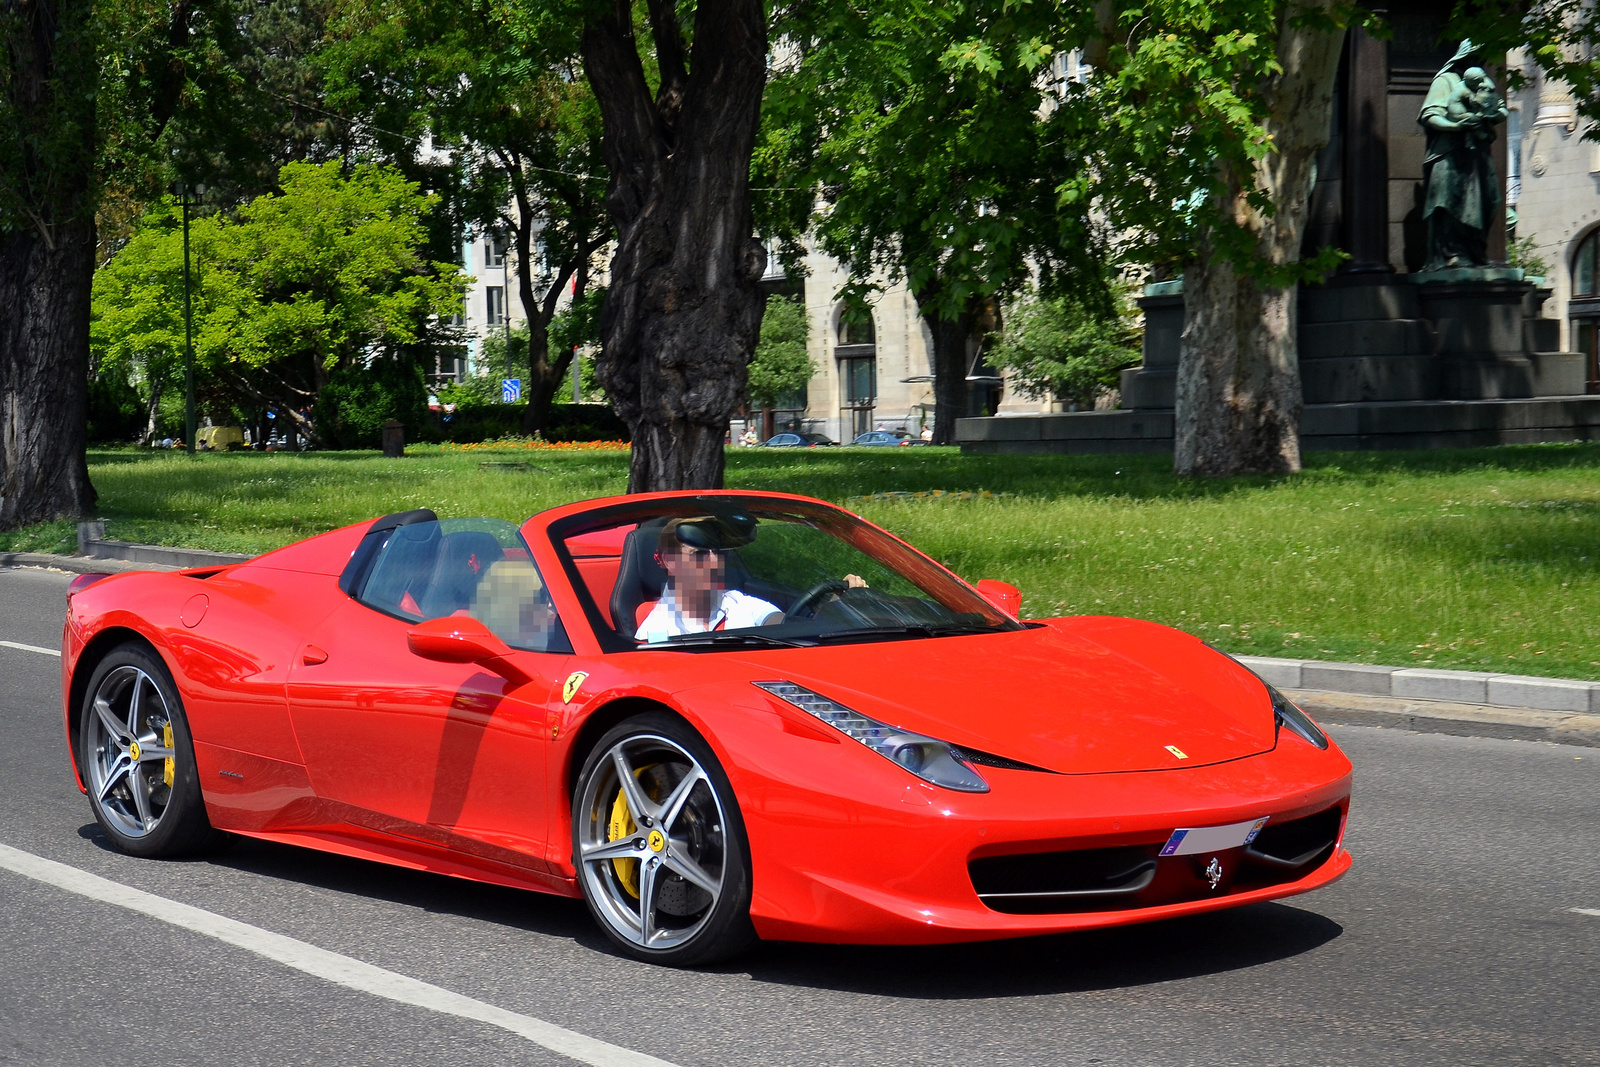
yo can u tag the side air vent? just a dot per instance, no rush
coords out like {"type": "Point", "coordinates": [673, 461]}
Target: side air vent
{"type": "Point", "coordinates": [1297, 843]}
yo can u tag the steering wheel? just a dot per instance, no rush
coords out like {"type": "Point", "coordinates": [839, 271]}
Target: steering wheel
{"type": "Point", "coordinates": [812, 598]}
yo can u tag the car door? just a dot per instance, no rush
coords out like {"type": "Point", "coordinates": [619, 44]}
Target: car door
{"type": "Point", "coordinates": [450, 754]}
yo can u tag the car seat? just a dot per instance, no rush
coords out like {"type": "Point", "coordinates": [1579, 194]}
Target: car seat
{"type": "Point", "coordinates": [463, 559]}
{"type": "Point", "coordinates": [640, 577]}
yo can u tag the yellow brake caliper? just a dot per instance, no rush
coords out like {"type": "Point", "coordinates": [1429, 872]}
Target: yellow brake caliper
{"type": "Point", "coordinates": [620, 826]}
{"type": "Point", "coordinates": [169, 764]}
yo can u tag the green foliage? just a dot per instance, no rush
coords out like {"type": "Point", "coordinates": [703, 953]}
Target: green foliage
{"type": "Point", "coordinates": [1524, 253]}
{"type": "Point", "coordinates": [325, 276]}
{"type": "Point", "coordinates": [938, 137]}
{"type": "Point", "coordinates": [1187, 135]}
{"type": "Point", "coordinates": [781, 364]}
{"type": "Point", "coordinates": [1058, 348]}
{"type": "Point", "coordinates": [115, 411]}
{"type": "Point", "coordinates": [352, 408]}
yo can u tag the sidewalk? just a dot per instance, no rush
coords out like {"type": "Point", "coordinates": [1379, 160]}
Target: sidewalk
{"type": "Point", "coordinates": [1465, 703]}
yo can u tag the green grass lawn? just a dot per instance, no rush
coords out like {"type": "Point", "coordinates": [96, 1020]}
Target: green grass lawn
{"type": "Point", "coordinates": [1485, 558]}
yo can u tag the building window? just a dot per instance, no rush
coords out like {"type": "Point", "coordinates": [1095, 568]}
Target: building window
{"type": "Point", "coordinates": [494, 249]}
{"type": "Point", "coordinates": [1583, 309]}
{"type": "Point", "coordinates": [857, 353]}
{"type": "Point", "coordinates": [495, 308]}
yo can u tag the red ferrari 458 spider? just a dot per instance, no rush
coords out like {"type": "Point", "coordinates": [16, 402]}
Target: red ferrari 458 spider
{"type": "Point", "coordinates": [713, 716]}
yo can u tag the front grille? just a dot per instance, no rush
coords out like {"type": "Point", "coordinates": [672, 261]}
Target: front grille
{"type": "Point", "coordinates": [1043, 882]}
{"type": "Point", "coordinates": [1135, 876]}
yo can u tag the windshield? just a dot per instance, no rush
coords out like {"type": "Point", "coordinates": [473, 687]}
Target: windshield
{"type": "Point", "coordinates": [729, 572]}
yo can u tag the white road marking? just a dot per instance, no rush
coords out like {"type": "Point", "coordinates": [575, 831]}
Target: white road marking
{"type": "Point", "coordinates": [331, 966]}
{"type": "Point", "coordinates": [1586, 911]}
{"type": "Point", "coordinates": [19, 646]}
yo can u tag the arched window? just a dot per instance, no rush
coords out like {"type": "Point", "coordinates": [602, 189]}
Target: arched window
{"type": "Point", "coordinates": [857, 355]}
{"type": "Point", "coordinates": [1583, 308]}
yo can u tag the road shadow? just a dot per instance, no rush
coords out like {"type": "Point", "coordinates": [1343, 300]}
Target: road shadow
{"type": "Point", "coordinates": [537, 913]}
{"type": "Point", "coordinates": [1090, 960]}
{"type": "Point", "coordinates": [1115, 958]}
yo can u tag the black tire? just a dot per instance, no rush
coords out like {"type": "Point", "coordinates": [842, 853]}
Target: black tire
{"type": "Point", "coordinates": [693, 922]}
{"type": "Point", "coordinates": [127, 772]}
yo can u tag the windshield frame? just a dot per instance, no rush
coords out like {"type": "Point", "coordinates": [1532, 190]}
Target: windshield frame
{"type": "Point", "coordinates": [914, 565]}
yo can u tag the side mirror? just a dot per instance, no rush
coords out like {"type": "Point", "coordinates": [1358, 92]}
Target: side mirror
{"type": "Point", "coordinates": [455, 639]}
{"type": "Point", "coordinates": [1008, 598]}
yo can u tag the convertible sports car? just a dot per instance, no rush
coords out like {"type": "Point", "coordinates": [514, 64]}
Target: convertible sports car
{"type": "Point", "coordinates": [713, 716]}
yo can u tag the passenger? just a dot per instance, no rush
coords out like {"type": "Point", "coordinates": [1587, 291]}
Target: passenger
{"type": "Point", "coordinates": [696, 598]}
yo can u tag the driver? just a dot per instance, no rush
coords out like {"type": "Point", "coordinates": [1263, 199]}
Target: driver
{"type": "Point", "coordinates": [696, 598]}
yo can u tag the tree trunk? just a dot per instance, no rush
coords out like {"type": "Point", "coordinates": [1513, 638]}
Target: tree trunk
{"type": "Point", "coordinates": [44, 375]}
{"type": "Point", "coordinates": [1238, 390]}
{"type": "Point", "coordinates": [683, 311]}
{"type": "Point", "coordinates": [47, 251]}
{"type": "Point", "coordinates": [951, 338]}
{"type": "Point", "coordinates": [152, 412]}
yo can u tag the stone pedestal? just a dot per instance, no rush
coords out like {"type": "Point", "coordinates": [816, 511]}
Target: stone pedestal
{"type": "Point", "coordinates": [1153, 384]}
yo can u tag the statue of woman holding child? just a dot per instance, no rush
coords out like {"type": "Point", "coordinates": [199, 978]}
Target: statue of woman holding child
{"type": "Point", "coordinates": [1463, 198]}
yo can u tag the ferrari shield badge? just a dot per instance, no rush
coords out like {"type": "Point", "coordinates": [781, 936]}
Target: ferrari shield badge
{"type": "Point", "coordinates": [573, 684]}
{"type": "Point", "coordinates": [1178, 752]}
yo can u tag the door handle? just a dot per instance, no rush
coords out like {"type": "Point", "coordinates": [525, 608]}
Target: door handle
{"type": "Point", "coordinates": [312, 655]}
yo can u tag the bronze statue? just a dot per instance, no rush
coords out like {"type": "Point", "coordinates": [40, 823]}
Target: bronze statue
{"type": "Point", "coordinates": [1463, 190]}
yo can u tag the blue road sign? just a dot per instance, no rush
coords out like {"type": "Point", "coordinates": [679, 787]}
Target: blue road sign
{"type": "Point", "coordinates": [510, 390]}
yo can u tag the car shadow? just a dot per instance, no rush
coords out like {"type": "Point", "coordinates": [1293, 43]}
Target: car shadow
{"type": "Point", "coordinates": [1113, 958]}
{"type": "Point", "coordinates": [1086, 961]}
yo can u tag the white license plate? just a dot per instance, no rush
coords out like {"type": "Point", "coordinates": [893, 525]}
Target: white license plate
{"type": "Point", "coordinates": [1212, 838]}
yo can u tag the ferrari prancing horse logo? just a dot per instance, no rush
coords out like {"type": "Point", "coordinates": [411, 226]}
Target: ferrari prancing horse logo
{"type": "Point", "coordinates": [656, 840]}
{"type": "Point", "coordinates": [1214, 872]}
{"type": "Point", "coordinates": [1176, 751]}
{"type": "Point", "coordinates": [573, 684]}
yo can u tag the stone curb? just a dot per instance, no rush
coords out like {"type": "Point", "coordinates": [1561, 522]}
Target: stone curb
{"type": "Point", "coordinates": [1447, 717]}
{"type": "Point", "coordinates": [1569, 695]}
{"type": "Point", "coordinates": [76, 564]}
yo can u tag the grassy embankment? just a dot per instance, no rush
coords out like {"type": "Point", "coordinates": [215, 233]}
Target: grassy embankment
{"type": "Point", "coordinates": [1484, 559]}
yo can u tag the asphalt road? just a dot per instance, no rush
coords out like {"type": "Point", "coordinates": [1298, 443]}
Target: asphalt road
{"type": "Point", "coordinates": [1453, 941]}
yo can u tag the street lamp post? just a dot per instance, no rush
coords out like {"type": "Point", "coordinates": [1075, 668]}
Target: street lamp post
{"type": "Point", "coordinates": [188, 322]}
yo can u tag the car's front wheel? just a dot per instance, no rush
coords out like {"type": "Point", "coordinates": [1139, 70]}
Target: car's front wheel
{"type": "Point", "coordinates": [137, 758]}
{"type": "Point", "coordinates": [660, 846]}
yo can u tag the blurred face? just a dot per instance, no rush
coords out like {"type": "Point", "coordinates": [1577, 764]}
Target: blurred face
{"type": "Point", "coordinates": [698, 576]}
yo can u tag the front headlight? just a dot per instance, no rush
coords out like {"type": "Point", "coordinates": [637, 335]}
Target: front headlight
{"type": "Point", "coordinates": [927, 758]}
{"type": "Point", "coordinates": [1290, 715]}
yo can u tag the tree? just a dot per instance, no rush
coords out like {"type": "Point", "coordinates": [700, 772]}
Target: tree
{"type": "Point", "coordinates": [684, 306]}
{"type": "Point", "coordinates": [88, 88]}
{"type": "Point", "coordinates": [939, 135]}
{"type": "Point", "coordinates": [302, 288]}
{"type": "Point", "coordinates": [1222, 107]}
{"type": "Point", "coordinates": [498, 86]}
{"type": "Point", "coordinates": [1057, 348]}
{"type": "Point", "coordinates": [48, 76]}
{"type": "Point", "coordinates": [782, 364]}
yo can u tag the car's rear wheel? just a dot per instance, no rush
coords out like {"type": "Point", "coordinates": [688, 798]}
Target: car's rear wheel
{"type": "Point", "coordinates": [137, 758]}
{"type": "Point", "coordinates": [660, 846]}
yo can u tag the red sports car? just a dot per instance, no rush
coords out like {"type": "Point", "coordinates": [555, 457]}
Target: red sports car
{"type": "Point", "coordinates": [714, 716]}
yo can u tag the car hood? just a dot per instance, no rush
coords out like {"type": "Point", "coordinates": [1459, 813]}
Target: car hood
{"type": "Point", "coordinates": [1077, 696]}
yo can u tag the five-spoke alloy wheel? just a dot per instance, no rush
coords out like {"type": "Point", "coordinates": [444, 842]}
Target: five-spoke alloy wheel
{"type": "Point", "coordinates": [660, 846]}
{"type": "Point", "coordinates": [137, 760]}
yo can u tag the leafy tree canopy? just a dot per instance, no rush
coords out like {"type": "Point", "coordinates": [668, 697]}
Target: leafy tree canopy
{"type": "Point", "coordinates": [1058, 348]}
{"type": "Point", "coordinates": [782, 365]}
{"type": "Point", "coordinates": [322, 276]}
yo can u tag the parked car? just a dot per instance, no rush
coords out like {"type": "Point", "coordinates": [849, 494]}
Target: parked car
{"type": "Point", "coordinates": [798, 440]}
{"type": "Point", "coordinates": [887, 439]}
{"type": "Point", "coordinates": [859, 747]}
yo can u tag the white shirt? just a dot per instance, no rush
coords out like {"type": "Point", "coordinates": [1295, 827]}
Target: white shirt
{"type": "Point", "coordinates": [734, 611]}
